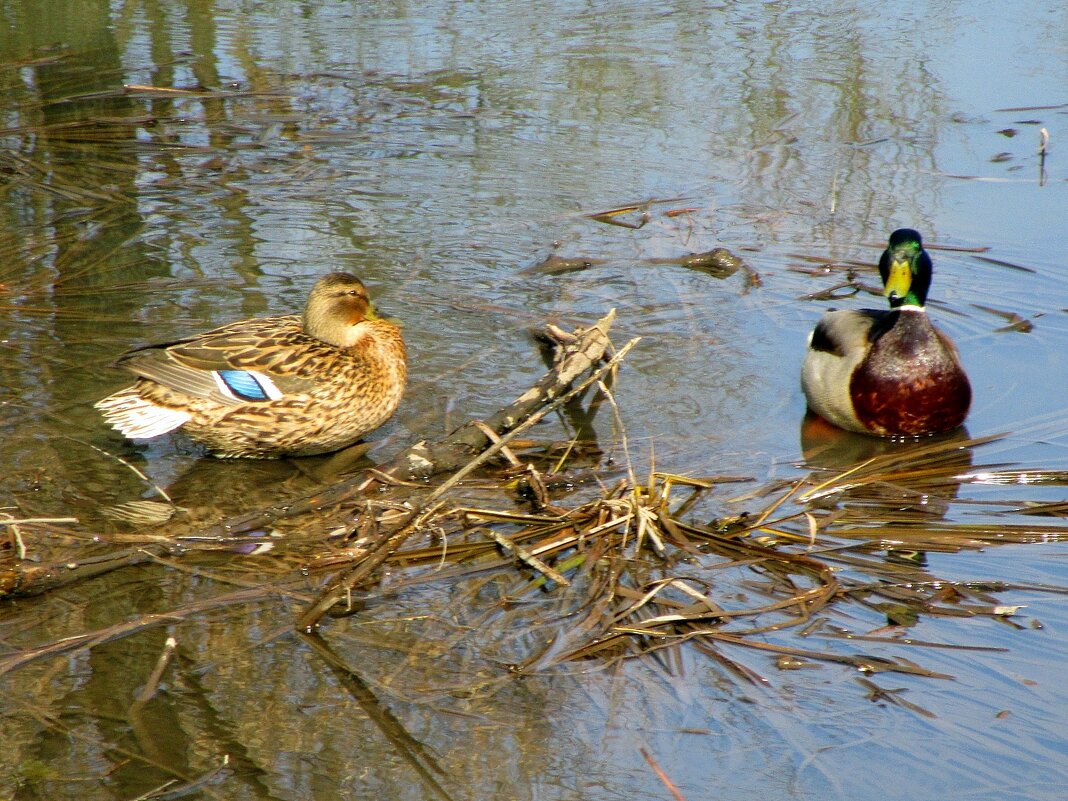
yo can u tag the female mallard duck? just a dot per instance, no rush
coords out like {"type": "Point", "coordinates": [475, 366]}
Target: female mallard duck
{"type": "Point", "coordinates": [290, 385]}
{"type": "Point", "coordinates": [890, 373]}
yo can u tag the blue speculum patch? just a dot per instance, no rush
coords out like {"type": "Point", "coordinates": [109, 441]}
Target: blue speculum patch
{"type": "Point", "coordinates": [244, 385]}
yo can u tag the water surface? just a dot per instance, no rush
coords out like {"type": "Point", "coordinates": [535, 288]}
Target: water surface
{"type": "Point", "coordinates": [441, 152]}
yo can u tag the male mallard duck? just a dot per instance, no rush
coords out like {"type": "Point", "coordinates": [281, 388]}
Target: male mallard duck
{"type": "Point", "coordinates": [273, 386]}
{"type": "Point", "coordinates": [890, 373]}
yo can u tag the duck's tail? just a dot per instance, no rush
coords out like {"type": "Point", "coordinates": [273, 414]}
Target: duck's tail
{"type": "Point", "coordinates": [136, 418]}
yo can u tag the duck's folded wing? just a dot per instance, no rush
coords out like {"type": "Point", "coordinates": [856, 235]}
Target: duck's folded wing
{"type": "Point", "coordinates": [231, 365]}
{"type": "Point", "coordinates": [847, 332]}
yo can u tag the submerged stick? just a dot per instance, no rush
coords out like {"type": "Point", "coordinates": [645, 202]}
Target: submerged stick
{"type": "Point", "coordinates": [377, 553]}
{"type": "Point", "coordinates": [660, 774]}
{"type": "Point", "coordinates": [414, 752]}
{"type": "Point", "coordinates": [22, 580]}
{"type": "Point", "coordinates": [91, 639]}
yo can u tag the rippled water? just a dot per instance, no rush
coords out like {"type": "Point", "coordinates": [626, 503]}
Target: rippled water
{"type": "Point", "coordinates": [442, 152]}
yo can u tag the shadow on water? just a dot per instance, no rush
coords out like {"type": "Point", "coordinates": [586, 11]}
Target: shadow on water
{"type": "Point", "coordinates": [719, 175]}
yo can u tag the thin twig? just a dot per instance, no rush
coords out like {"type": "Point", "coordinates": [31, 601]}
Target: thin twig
{"type": "Point", "coordinates": [670, 785]}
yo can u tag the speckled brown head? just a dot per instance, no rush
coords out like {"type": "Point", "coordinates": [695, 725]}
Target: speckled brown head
{"type": "Point", "coordinates": [337, 308]}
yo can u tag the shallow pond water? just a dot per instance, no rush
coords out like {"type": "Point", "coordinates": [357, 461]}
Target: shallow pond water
{"type": "Point", "coordinates": [443, 153]}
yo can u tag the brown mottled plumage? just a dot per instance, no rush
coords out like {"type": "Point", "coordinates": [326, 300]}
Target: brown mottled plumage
{"type": "Point", "coordinates": [290, 385]}
{"type": "Point", "coordinates": [890, 373]}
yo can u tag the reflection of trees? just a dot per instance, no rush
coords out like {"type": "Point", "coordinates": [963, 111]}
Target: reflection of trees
{"type": "Point", "coordinates": [90, 217]}
{"type": "Point", "coordinates": [69, 219]}
{"type": "Point", "coordinates": [68, 211]}
{"type": "Point", "coordinates": [815, 107]}
{"type": "Point", "coordinates": [834, 120]}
